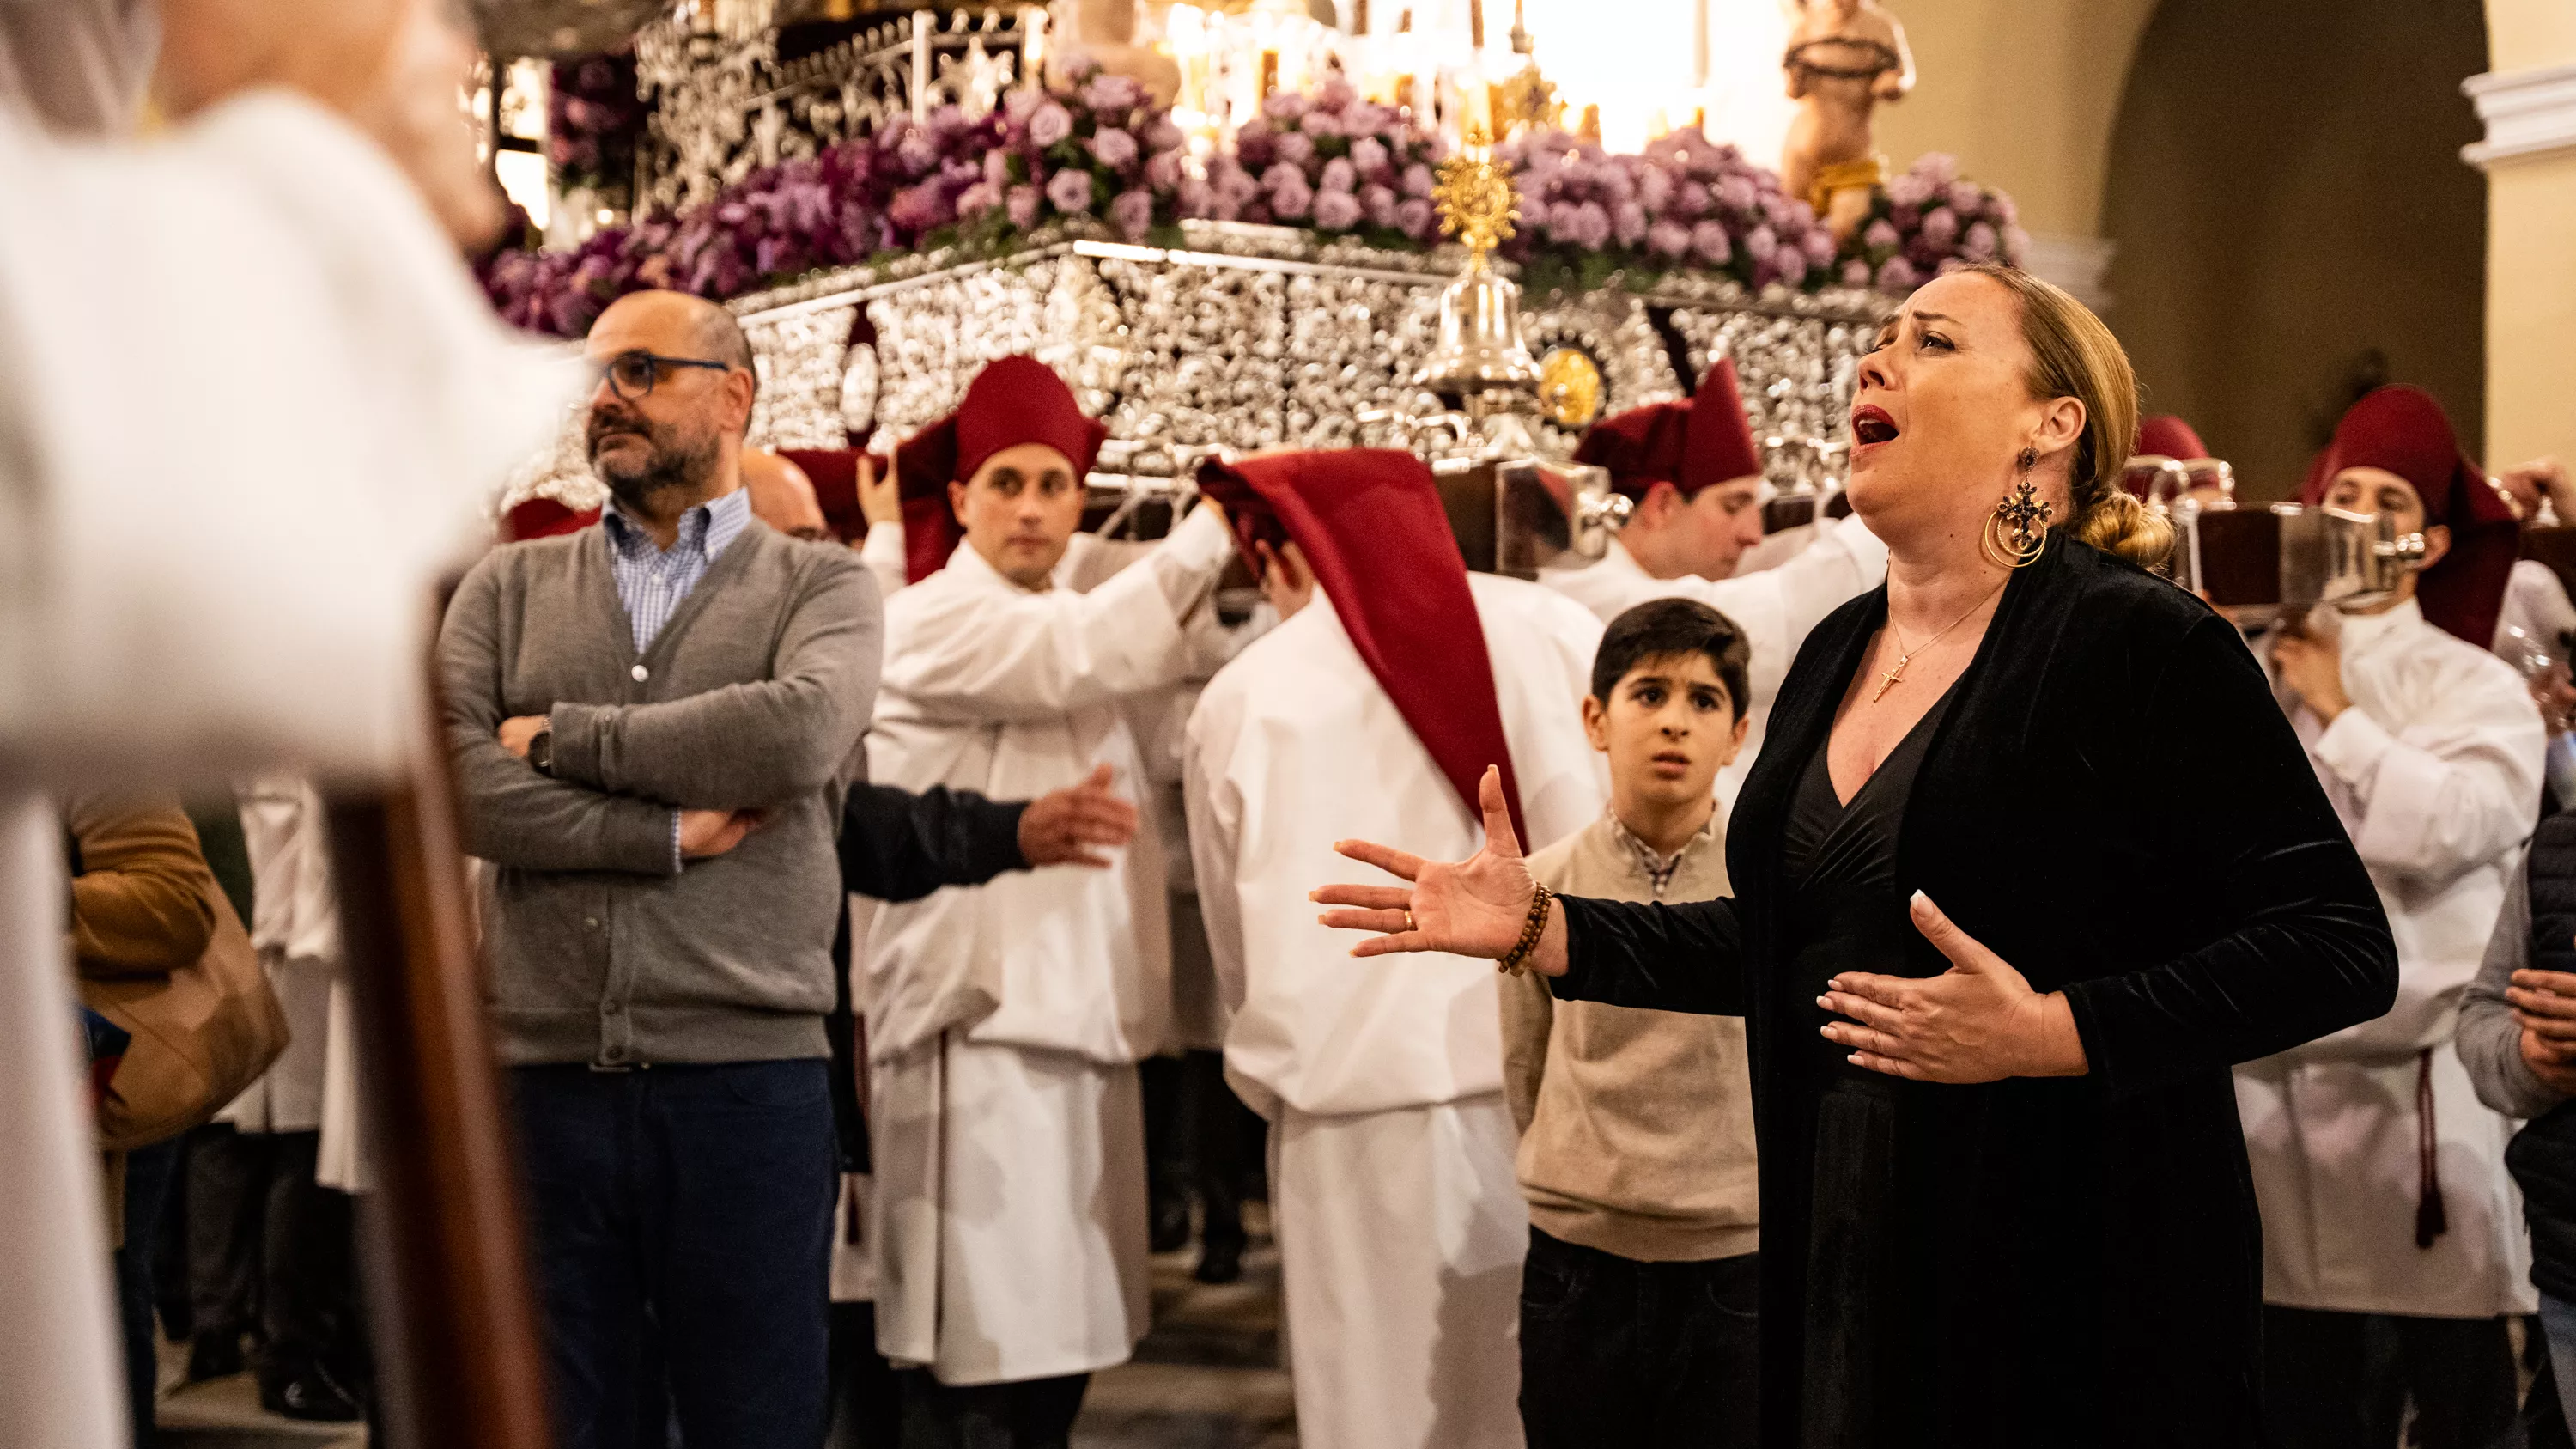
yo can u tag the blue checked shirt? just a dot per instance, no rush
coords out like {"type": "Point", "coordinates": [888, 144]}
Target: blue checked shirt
{"type": "Point", "coordinates": [652, 582]}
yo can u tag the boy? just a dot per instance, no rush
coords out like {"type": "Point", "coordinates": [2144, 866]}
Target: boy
{"type": "Point", "coordinates": [1636, 1152]}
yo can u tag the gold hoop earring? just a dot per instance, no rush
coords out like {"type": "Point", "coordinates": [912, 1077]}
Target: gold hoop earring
{"type": "Point", "coordinates": [2017, 531]}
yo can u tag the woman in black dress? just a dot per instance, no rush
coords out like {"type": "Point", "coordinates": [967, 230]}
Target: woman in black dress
{"type": "Point", "coordinates": [2004, 1194]}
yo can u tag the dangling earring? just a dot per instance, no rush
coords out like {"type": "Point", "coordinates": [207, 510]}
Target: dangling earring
{"type": "Point", "coordinates": [2017, 530]}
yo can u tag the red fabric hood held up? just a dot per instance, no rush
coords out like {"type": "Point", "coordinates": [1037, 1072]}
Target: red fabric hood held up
{"type": "Point", "coordinates": [1371, 526]}
{"type": "Point", "coordinates": [1695, 444]}
{"type": "Point", "coordinates": [1014, 400]}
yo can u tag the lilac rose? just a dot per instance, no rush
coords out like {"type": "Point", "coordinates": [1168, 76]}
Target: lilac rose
{"type": "Point", "coordinates": [1417, 181]}
{"type": "Point", "coordinates": [1818, 244]}
{"type": "Point", "coordinates": [1337, 210]}
{"type": "Point", "coordinates": [1378, 203]}
{"type": "Point", "coordinates": [977, 199]}
{"type": "Point", "coordinates": [1293, 201]}
{"type": "Point", "coordinates": [1689, 202]}
{"type": "Point", "coordinates": [1109, 93]}
{"type": "Point", "coordinates": [1937, 167]}
{"type": "Point", "coordinates": [1114, 149]}
{"type": "Point", "coordinates": [1413, 217]}
{"type": "Point", "coordinates": [1163, 172]}
{"type": "Point", "coordinates": [1366, 118]}
{"type": "Point", "coordinates": [1339, 175]}
{"type": "Point", "coordinates": [1197, 197]}
{"type": "Point", "coordinates": [1280, 174]}
{"type": "Point", "coordinates": [1334, 92]}
{"type": "Point", "coordinates": [1322, 125]}
{"type": "Point", "coordinates": [1789, 266]}
{"type": "Point", "coordinates": [1368, 153]}
{"type": "Point", "coordinates": [1897, 275]}
{"type": "Point", "coordinates": [1132, 212]}
{"type": "Point", "coordinates": [1967, 198]}
{"type": "Point", "coordinates": [1710, 242]}
{"type": "Point", "coordinates": [1236, 186]}
{"type": "Point", "coordinates": [1591, 226]}
{"type": "Point", "coordinates": [1561, 220]}
{"type": "Point", "coordinates": [1949, 265]}
{"type": "Point", "coordinates": [1855, 273]}
{"type": "Point", "coordinates": [1018, 104]}
{"type": "Point", "coordinates": [1669, 238]}
{"type": "Point", "coordinates": [1941, 228]}
{"type": "Point", "coordinates": [1285, 106]}
{"type": "Point", "coordinates": [1737, 195]}
{"type": "Point", "coordinates": [1654, 187]}
{"type": "Point", "coordinates": [997, 167]}
{"type": "Point", "coordinates": [1163, 135]}
{"type": "Point", "coordinates": [2002, 208]}
{"type": "Point", "coordinates": [1049, 124]}
{"type": "Point", "coordinates": [1069, 191]}
{"type": "Point", "coordinates": [1981, 243]}
{"type": "Point", "coordinates": [1295, 147]}
{"type": "Point", "coordinates": [1630, 223]}
{"type": "Point", "coordinates": [1908, 189]}
{"type": "Point", "coordinates": [1879, 236]}
{"type": "Point", "coordinates": [1760, 243]}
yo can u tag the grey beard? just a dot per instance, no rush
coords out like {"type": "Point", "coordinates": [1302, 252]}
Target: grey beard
{"type": "Point", "coordinates": [682, 468]}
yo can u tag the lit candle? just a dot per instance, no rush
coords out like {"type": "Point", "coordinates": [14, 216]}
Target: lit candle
{"type": "Point", "coordinates": [1476, 23]}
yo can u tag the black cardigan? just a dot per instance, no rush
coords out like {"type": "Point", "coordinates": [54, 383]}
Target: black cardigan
{"type": "Point", "coordinates": [2115, 804]}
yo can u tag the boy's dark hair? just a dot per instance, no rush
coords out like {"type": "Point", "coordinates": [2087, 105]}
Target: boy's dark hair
{"type": "Point", "coordinates": [1663, 628]}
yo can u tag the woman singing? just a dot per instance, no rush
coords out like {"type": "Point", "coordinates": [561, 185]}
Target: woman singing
{"type": "Point", "coordinates": [2004, 1195]}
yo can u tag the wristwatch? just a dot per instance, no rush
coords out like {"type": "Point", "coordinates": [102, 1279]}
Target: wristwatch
{"type": "Point", "coordinates": [541, 751]}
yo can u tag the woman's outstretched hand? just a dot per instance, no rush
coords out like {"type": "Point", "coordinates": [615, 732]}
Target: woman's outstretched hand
{"type": "Point", "coordinates": [1979, 1021]}
{"type": "Point", "coordinates": [1473, 907]}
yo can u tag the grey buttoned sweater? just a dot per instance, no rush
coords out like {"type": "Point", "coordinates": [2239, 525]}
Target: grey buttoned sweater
{"type": "Point", "coordinates": [754, 696]}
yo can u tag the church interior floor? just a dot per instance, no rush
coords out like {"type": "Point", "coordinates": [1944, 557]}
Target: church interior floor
{"type": "Point", "coordinates": [1210, 1374]}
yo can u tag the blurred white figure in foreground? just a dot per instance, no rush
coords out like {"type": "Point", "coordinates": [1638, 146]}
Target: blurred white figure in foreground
{"type": "Point", "coordinates": [249, 403]}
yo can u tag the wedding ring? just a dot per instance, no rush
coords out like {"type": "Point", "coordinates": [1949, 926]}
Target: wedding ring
{"type": "Point", "coordinates": [1408, 920]}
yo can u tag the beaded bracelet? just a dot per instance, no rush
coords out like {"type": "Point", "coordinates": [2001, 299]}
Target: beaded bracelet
{"type": "Point", "coordinates": [1517, 963]}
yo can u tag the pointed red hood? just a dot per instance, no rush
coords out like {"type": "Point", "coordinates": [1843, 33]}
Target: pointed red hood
{"type": "Point", "coordinates": [1014, 400]}
{"type": "Point", "coordinates": [2404, 431]}
{"type": "Point", "coordinates": [544, 518]}
{"type": "Point", "coordinates": [1695, 444]}
{"type": "Point", "coordinates": [1371, 525]}
{"type": "Point", "coordinates": [835, 475]}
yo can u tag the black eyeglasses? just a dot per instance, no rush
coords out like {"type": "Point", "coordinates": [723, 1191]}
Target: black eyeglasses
{"type": "Point", "coordinates": [631, 375]}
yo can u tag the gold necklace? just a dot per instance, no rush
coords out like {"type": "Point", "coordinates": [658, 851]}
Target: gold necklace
{"type": "Point", "coordinates": [1896, 676]}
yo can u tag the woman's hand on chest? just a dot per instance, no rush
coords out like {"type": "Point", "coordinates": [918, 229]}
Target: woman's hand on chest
{"type": "Point", "coordinates": [1980, 1021]}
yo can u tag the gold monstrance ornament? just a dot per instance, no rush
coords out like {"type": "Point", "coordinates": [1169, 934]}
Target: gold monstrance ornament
{"type": "Point", "coordinates": [1480, 351]}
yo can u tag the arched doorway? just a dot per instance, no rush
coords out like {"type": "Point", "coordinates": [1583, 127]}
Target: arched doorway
{"type": "Point", "coordinates": [2293, 218]}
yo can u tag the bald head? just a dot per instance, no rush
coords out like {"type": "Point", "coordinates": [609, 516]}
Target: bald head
{"type": "Point", "coordinates": [783, 497]}
{"type": "Point", "coordinates": [673, 402]}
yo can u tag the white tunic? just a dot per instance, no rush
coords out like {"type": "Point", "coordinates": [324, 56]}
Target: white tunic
{"type": "Point", "coordinates": [249, 403]}
{"type": "Point", "coordinates": [2435, 771]}
{"type": "Point", "coordinates": [1775, 608]}
{"type": "Point", "coordinates": [1004, 1021]}
{"type": "Point", "coordinates": [295, 925]}
{"type": "Point", "coordinates": [1401, 1227]}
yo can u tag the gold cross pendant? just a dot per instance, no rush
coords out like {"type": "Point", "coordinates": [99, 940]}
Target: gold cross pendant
{"type": "Point", "coordinates": [1889, 680]}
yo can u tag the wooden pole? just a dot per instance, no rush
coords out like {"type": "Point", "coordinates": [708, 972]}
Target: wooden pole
{"type": "Point", "coordinates": [456, 1330]}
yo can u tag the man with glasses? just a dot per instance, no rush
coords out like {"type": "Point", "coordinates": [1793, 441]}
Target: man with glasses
{"type": "Point", "coordinates": [654, 722]}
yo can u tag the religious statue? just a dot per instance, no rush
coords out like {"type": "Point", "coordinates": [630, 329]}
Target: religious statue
{"type": "Point", "coordinates": [1845, 56]}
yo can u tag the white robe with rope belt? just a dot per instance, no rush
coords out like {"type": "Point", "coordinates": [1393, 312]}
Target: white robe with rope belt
{"type": "Point", "coordinates": [2435, 771]}
{"type": "Point", "coordinates": [1005, 1020]}
{"type": "Point", "coordinates": [250, 405]}
{"type": "Point", "coordinates": [1400, 1223]}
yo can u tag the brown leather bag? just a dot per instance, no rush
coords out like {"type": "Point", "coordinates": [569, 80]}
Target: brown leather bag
{"type": "Point", "coordinates": [202, 1035]}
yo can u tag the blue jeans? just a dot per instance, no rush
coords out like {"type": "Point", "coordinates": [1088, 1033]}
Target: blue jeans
{"type": "Point", "coordinates": [700, 1198]}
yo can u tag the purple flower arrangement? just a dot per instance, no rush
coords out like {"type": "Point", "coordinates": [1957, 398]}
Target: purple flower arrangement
{"type": "Point", "coordinates": [1099, 152]}
{"type": "Point", "coordinates": [1925, 222]}
{"type": "Point", "coordinates": [1331, 162]}
{"type": "Point", "coordinates": [593, 121]}
{"type": "Point", "coordinates": [1682, 204]}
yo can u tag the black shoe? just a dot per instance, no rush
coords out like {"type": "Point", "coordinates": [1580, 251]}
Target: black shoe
{"type": "Point", "coordinates": [1220, 1261]}
{"type": "Point", "coordinates": [215, 1356]}
{"type": "Point", "coordinates": [1170, 1230]}
{"type": "Point", "coordinates": [312, 1395]}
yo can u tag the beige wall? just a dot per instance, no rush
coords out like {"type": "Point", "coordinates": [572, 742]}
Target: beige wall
{"type": "Point", "coordinates": [2023, 93]}
{"type": "Point", "coordinates": [2531, 258]}
{"type": "Point", "coordinates": [2293, 220]}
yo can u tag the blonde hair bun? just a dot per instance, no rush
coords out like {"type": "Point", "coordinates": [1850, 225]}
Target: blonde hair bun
{"type": "Point", "coordinates": [2119, 524]}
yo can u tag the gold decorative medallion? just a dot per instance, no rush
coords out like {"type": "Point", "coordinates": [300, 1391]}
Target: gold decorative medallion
{"type": "Point", "coordinates": [1569, 387]}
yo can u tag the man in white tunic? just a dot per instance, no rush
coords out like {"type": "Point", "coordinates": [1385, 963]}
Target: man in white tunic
{"type": "Point", "coordinates": [269, 290]}
{"type": "Point", "coordinates": [1393, 682]}
{"type": "Point", "coordinates": [2392, 1237]}
{"type": "Point", "coordinates": [1695, 474]}
{"type": "Point", "coordinates": [1005, 1021]}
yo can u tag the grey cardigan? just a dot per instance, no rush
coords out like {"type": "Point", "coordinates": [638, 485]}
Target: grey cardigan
{"type": "Point", "coordinates": [2490, 1040]}
{"type": "Point", "coordinates": [753, 696]}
